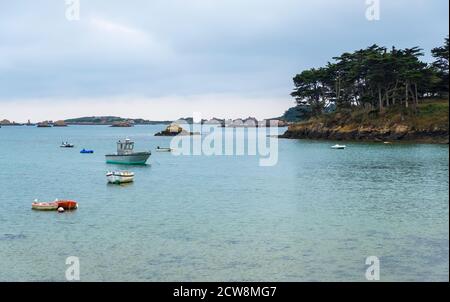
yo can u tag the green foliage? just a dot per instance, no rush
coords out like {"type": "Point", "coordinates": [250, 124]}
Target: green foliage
{"type": "Point", "coordinates": [373, 78]}
{"type": "Point", "coordinates": [297, 114]}
{"type": "Point", "coordinates": [441, 54]}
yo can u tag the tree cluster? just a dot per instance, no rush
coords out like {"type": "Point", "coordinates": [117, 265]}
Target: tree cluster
{"type": "Point", "coordinates": [375, 77]}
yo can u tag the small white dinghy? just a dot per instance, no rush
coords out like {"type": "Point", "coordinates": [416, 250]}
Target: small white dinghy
{"type": "Point", "coordinates": [44, 206]}
{"type": "Point", "coordinates": [159, 149]}
{"type": "Point", "coordinates": [339, 147]}
{"type": "Point", "coordinates": [120, 177]}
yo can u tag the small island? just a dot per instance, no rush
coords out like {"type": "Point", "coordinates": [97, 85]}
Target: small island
{"type": "Point", "coordinates": [6, 122]}
{"type": "Point", "coordinates": [375, 94]}
{"type": "Point", "coordinates": [174, 130]}
{"type": "Point", "coordinates": [44, 124]}
{"type": "Point", "coordinates": [60, 123]}
{"type": "Point", "coordinates": [114, 121]}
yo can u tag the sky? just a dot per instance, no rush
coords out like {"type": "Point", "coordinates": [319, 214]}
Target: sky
{"type": "Point", "coordinates": [166, 59]}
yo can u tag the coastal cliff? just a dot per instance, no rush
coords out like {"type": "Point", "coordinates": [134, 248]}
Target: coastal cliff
{"type": "Point", "coordinates": [429, 124]}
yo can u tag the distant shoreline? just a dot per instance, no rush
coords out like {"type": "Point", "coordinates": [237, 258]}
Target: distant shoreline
{"type": "Point", "coordinates": [119, 122]}
{"type": "Point", "coordinates": [77, 124]}
{"type": "Point", "coordinates": [111, 124]}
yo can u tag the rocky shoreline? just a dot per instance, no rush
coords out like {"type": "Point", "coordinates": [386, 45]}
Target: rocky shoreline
{"type": "Point", "coordinates": [396, 133]}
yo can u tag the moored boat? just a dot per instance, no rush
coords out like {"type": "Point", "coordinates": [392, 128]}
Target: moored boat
{"type": "Point", "coordinates": [66, 145]}
{"type": "Point", "coordinates": [339, 147]}
{"type": "Point", "coordinates": [120, 177]}
{"type": "Point", "coordinates": [84, 151]}
{"type": "Point", "coordinates": [67, 204]}
{"type": "Point", "coordinates": [126, 156]}
{"type": "Point", "coordinates": [159, 149]}
{"type": "Point", "coordinates": [44, 206]}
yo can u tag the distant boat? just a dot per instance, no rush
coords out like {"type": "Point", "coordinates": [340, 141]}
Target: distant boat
{"type": "Point", "coordinates": [126, 156]}
{"type": "Point", "coordinates": [120, 177]}
{"type": "Point", "coordinates": [159, 149]}
{"type": "Point", "coordinates": [338, 147]}
{"type": "Point", "coordinates": [84, 151]}
{"type": "Point", "coordinates": [66, 145]}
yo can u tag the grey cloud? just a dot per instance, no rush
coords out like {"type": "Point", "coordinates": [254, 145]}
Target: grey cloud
{"type": "Point", "coordinates": [156, 48]}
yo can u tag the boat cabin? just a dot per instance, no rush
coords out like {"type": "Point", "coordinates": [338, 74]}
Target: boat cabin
{"type": "Point", "coordinates": [125, 147]}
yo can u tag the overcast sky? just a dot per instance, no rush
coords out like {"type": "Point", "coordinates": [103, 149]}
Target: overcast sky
{"type": "Point", "coordinates": [164, 59]}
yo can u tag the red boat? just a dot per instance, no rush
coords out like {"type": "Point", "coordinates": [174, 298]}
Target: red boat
{"type": "Point", "coordinates": [67, 204]}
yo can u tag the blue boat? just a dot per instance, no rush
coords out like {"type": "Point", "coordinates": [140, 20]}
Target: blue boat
{"type": "Point", "coordinates": [84, 151]}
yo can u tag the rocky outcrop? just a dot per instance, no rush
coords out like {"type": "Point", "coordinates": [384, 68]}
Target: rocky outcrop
{"type": "Point", "coordinates": [60, 123]}
{"type": "Point", "coordinates": [6, 122]}
{"type": "Point", "coordinates": [174, 130]}
{"type": "Point", "coordinates": [44, 124]}
{"type": "Point", "coordinates": [397, 132]}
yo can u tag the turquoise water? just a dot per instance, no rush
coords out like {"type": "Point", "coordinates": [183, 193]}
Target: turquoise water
{"type": "Point", "coordinates": [315, 216]}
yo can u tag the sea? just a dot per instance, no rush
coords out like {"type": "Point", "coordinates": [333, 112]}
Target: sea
{"type": "Point", "coordinates": [317, 214]}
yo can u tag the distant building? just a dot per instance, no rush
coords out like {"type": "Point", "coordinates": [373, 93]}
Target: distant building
{"type": "Point", "coordinates": [263, 123]}
{"type": "Point", "coordinates": [251, 122]}
{"type": "Point", "coordinates": [215, 121]}
{"type": "Point", "coordinates": [228, 123]}
{"type": "Point", "coordinates": [237, 123]}
{"type": "Point", "coordinates": [248, 122]}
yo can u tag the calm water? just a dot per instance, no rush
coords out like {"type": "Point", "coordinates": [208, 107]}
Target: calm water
{"type": "Point", "coordinates": [316, 215]}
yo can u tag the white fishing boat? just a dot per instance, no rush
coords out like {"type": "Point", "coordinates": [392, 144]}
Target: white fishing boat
{"type": "Point", "coordinates": [338, 147]}
{"type": "Point", "coordinates": [126, 156]}
{"type": "Point", "coordinates": [66, 145]}
{"type": "Point", "coordinates": [120, 177]}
